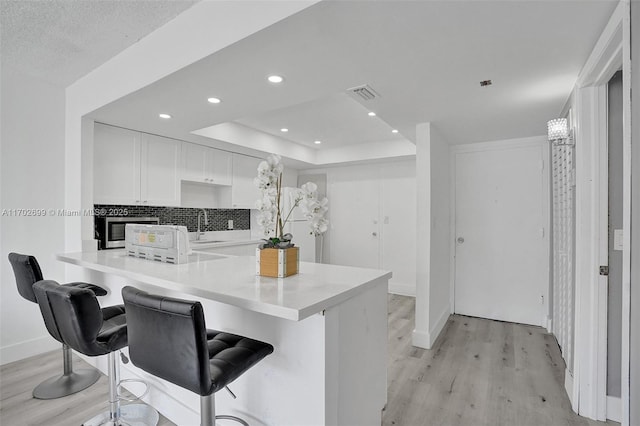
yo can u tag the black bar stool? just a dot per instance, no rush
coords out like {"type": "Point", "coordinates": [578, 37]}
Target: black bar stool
{"type": "Point", "coordinates": [74, 317]}
{"type": "Point", "coordinates": [27, 272]}
{"type": "Point", "coordinates": [168, 338]}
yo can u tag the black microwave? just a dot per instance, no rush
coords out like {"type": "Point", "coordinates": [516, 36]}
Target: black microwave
{"type": "Point", "coordinates": [110, 230]}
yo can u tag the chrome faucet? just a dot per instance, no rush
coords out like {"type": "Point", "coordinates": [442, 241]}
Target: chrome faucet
{"type": "Point", "coordinates": [206, 222]}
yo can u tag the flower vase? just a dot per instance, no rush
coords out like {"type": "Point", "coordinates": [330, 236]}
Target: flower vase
{"type": "Point", "coordinates": [277, 262]}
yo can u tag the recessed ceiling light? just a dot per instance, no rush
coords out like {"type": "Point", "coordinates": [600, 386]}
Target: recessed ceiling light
{"type": "Point", "coordinates": [372, 114]}
{"type": "Point", "coordinates": [394, 131]}
{"type": "Point", "coordinates": [284, 130]}
{"type": "Point", "coordinates": [275, 79]}
{"type": "Point", "coordinates": [165, 116]}
{"type": "Point", "coordinates": [214, 100]}
{"type": "Point", "coordinates": [317, 142]}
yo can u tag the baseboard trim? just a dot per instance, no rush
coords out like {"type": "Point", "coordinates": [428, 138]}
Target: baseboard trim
{"type": "Point", "coordinates": [402, 289]}
{"type": "Point", "coordinates": [568, 388]}
{"type": "Point", "coordinates": [614, 408]}
{"type": "Point", "coordinates": [27, 349]}
{"type": "Point", "coordinates": [439, 326]}
{"type": "Point", "coordinates": [420, 339]}
{"type": "Point", "coordinates": [426, 340]}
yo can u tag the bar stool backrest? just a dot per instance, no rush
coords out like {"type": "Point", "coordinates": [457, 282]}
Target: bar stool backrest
{"type": "Point", "coordinates": [168, 338]}
{"type": "Point", "coordinates": [72, 316]}
{"type": "Point", "coordinates": [27, 272]}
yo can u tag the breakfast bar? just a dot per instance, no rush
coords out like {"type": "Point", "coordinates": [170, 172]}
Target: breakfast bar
{"type": "Point", "coordinates": [328, 325]}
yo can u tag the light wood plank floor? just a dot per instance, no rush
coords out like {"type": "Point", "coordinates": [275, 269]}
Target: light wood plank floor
{"type": "Point", "coordinates": [19, 408]}
{"type": "Point", "coordinates": [479, 372]}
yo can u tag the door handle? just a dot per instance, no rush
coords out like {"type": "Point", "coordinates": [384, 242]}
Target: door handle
{"type": "Point", "coordinates": [460, 240]}
{"type": "Point", "coordinates": [375, 234]}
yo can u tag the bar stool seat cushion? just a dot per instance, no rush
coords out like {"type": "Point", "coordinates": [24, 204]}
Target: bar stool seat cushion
{"type": "Point", "coordinates": [96, 289]}
{"type": "Point", "coordinates": [231, 355]}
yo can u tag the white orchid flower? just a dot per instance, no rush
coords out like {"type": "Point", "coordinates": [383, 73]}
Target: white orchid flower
{"type": "Point", "coordinates": [271, 219]}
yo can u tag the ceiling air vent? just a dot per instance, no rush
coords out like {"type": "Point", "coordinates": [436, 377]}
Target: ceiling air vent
{"type": "Point", "coordinates": [364, 92]}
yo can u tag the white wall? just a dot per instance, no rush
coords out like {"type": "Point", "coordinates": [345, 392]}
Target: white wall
{"type": "Point", "coordinates": [392, 188]}
{"type": "Point", "coordinates": [433, 228]}
{"type": "Point", "coordinates": [32, 177]}
{"type": "Point", "coordinates": [440, 253]}
{"type": "Point", "coordinates": [398, 216]}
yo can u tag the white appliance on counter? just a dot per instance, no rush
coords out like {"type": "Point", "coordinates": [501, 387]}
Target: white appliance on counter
{"type": "Point", "coordinates": [162, 243]}
{"type": "Point", "coordinates": [298, 226]}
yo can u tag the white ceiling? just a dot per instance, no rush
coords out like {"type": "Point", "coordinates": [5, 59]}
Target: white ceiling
{"type": "Point", "coordinates": [425, 59]}
{"type": "Point", "coordinates": [336, 120]}
{"type": "Point", "coordinates": [60, 41]}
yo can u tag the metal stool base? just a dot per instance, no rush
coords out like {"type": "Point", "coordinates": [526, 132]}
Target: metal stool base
{"type": "Point", "coordinates": [67, 384]}
{"type": "Point", "coordinates": [130, 415]}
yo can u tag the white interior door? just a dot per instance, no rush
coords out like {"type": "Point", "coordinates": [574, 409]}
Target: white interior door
{"type": "Point", "coordinates": [501, 249]}
{"type": "Point", "coordinates": [355, 232]}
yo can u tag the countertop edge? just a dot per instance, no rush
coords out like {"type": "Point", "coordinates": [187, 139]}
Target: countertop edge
{"type": "Point", "coordinates": [280, 312]}
{"type": "Point", "coordinates": [272, 310]}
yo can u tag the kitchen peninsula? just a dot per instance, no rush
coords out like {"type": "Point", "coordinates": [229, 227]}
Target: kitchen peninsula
{"type": "Point", "coordinates": [328, 325]}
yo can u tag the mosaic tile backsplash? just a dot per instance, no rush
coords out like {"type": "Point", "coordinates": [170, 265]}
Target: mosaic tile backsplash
{"type": "Point", "coordinates": [218, 218]}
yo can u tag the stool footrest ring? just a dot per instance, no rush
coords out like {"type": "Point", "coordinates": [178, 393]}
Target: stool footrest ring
{"type": "Point", "coordinates": [132, 414]}
{"type": "Point", "coordinates": [137, 398]}
{"type": "Point", "coordinates": [234, 418]}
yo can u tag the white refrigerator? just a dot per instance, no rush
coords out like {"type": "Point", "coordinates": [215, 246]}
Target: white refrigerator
{"type": "Point", "coordinates": [298, 226]}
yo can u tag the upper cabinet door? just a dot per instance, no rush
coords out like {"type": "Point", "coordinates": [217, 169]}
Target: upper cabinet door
{"type": "Point", "coordinates": [244, 193]}
{"type": "Point", "coordinates": [220, 166]}
{"type": "Point", "coordinates": [194, 162]}
{"type": "Point", "coordinates": [116, 165]}
{"type": "Point", "coordinates": [205, 165]}
{"type": "Point", "coordinates": [160, 171]}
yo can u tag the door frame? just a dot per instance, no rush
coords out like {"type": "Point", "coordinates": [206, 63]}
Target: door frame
{"type": "Point", "coordinates": [587, 388]}
{"type": "Point", "coordinates": [535, 141]}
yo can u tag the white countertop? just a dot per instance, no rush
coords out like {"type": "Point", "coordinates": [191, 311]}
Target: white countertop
{"type": "Point", "coordinates": [212, 243]}
{"type": "Point", "coordinates": [232, 280]}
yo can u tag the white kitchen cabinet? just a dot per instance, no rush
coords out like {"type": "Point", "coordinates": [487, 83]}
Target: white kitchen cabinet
{"type": "Point", "coordinates": [135, 168]}
{"type": "Point", "coordinates": [159, 171]}
{"type": "Point", "coordinates": [206, 165]}
{"type": "Point", "coordinates": [244, 193]}
{"type": "Point", "coordinates": [116, 165]}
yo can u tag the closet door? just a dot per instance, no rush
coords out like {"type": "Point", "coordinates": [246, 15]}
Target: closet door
{"type": "Point", "coordinates": [354, 222]}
